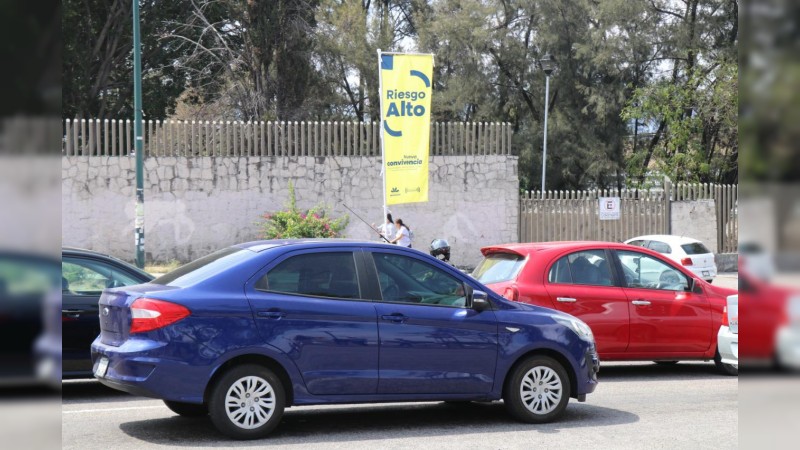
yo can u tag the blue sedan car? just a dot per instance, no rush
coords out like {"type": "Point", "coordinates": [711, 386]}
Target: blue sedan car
{"type": "Point", "coordinates": [247, 331]}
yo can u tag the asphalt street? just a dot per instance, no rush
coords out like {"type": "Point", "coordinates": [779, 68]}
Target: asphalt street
{"type": "Point", "coordinates": [636, 405]}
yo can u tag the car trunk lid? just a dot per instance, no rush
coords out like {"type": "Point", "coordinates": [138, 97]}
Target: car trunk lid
{"type": "Point", "coordinates": [115, 313]}
{"type": "Point", "coordinates": [699, 254]}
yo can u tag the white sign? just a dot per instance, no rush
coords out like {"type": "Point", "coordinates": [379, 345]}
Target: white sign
{"type": "Point", "coordinates": [609, 208]}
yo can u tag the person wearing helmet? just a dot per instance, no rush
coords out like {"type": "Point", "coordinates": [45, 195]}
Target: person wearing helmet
{"type": "Point", "coordinates": [440, 249]}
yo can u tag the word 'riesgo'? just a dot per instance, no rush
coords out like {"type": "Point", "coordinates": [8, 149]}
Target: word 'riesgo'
{"type": "Point", "coordinates": [394, 94]}
{"type": "Point", "coordinates": [404, 107]}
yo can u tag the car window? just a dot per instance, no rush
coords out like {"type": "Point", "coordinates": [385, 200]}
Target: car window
{"type": "Point", "coordinates": [660, 247]}
{"type": "Point", "coordinates": [588, 267]}
{"type": "Point", "coordinates": [559, 273]}
{"type": "Point", "coordinates": [330, 274]}
{"type": "Point", "coordinates": [695, 248]}
{"type": "Point", "coordinates": [644, 271]}
{"type": "Point", "coordinates": [205, 267]}
{"type": "Point", "coordinates": [498, 267]}
{"type": "Point", "coordinates": [22, 278]}
{"type": "Point", "coordinates": [81, 276]}
{"type": "Point", "coordinates": [638, 242]}
{"type": "Point", "coordinates": [408, 280]}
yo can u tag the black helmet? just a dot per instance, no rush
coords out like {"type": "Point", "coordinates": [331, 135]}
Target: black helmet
{"type": "Point", "coordinates": [440, 248]}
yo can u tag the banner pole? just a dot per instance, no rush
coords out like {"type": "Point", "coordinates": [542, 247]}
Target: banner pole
{"type": "Point", "coordinates": [380, 133]}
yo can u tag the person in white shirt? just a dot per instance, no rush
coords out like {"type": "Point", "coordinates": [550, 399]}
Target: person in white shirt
{"type": "Point", "coordinates": [387, 230]}
{"type": "Point", "coordinates": [403, 236]}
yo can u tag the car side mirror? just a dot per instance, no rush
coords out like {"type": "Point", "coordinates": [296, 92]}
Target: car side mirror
{"type": "Point", "coordinates": [694, 287]}
{"type": "Point", "coordinates": [479, 301]}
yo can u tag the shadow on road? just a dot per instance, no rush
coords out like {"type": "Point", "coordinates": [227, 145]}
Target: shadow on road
{"type": "Point", "coordinates": [649, 371]}
{"type": "Point", "coordinates": [334, 424]}
{"type": "Point", "coordinates": [89, 391]}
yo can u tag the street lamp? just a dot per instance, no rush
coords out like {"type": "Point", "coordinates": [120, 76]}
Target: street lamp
{"type": "Point", "coordinates": [548, 65]}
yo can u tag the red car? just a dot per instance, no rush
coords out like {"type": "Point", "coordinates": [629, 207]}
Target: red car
{"type": "Point", "coordinates": [639, 305]}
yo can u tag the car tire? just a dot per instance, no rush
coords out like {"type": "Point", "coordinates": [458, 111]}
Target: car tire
{"type": "Point", "coordinates": [247, 402]}
{"type": "Point", "coordinates": [725, 369]}
{"type": "Point", "coordinates": [666, 363]}
{"type": "Point", "coordinates": [187, 409]}
{"type": "Point", "coordinates": [522, 394]}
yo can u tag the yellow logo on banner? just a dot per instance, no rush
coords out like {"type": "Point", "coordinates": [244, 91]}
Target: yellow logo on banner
{"type": "Point", "coordinates": [406, 116]}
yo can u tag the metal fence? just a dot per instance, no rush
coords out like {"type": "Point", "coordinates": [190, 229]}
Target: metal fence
{"type": "Point", "coordinates": [96, 137]}
{"type": "Point", "coordinates": [573, 215]}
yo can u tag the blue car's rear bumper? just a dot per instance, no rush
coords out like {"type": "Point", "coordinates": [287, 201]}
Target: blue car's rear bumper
{"type": "Point", "coordinates": [133, 368]}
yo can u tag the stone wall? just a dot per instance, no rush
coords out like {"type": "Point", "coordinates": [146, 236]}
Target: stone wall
{"type": "Point", "coordinates": [196, 205]}
{"type": "Point", "coordinates": [695, 219]}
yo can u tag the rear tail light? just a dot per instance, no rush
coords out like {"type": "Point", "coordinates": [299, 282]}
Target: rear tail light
{"type": "Point", "coordinates": [511, 293]}
{"type": "Point", "coordinates": [725, 316]}
{"type": "Point", "coordinates": [149, 314]}
{"type": "Point", "coordinates": [686, 261]}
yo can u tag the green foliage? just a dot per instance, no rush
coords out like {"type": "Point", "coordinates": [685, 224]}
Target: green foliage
{"type": "Point", "coordinates": [669, 66]}
{"type": "Point", "coordinates": [293, 223]}
{"type": "Point", "coordinates": [700, 128]}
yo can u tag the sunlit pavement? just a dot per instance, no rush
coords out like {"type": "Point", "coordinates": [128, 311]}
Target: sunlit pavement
{"type": "Point", "coordinates": [637, 405]}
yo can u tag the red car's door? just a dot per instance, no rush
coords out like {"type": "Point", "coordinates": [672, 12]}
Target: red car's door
{"type": "Point", "coordinates": [583, 284]}
{"type": "Point", "coordinates": [665, 316]}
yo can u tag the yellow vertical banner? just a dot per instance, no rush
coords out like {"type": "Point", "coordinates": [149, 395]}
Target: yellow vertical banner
{"type": "Point", "coordinates": [406, 125]}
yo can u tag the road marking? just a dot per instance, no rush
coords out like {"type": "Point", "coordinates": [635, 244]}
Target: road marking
{"type": "Point", "coordinates": [111, 409]}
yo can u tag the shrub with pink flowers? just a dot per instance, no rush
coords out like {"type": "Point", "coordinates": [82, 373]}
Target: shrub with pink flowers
{"type": "Point", "coordinates": [294, 223]}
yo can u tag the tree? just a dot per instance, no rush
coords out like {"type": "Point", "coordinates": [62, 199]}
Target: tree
{"type": "Point", "coordinates": [257, 55]}
{"type": "Point", "coordinates": [97, 70]}
{"type": "Point", "coordinates": [692, 112]}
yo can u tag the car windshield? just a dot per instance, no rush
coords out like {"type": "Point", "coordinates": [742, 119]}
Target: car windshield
{"type": "Point", "coordinates": [203, 268]}
{"type": "Point", "coordinates": [695, 248]}
{"type": "Point", "coordinates": [498, 267]}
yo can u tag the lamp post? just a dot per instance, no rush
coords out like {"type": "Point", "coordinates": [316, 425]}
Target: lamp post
{"type": "Point", "coordinates": [138, 139]}
{"type": "Point", "coordinates": [548, 65]}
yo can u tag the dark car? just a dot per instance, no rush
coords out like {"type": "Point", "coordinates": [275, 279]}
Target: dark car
{"type": "Point", "coordinates": [84, 276]}
{"type": "Point", "coordinates": [26, 281]}
{"type": "Point", "coordinates": [251, 329]}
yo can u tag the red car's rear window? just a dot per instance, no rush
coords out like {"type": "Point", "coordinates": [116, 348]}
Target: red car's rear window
{"type": "Point", "coordinates": [498, 267]}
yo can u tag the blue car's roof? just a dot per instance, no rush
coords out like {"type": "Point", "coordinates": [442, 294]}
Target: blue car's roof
{"type": "Point", "coordinates": [258, 246]}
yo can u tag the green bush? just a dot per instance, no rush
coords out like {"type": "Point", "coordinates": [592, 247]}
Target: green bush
{"type": "Point", "coordinates": [293, 223]}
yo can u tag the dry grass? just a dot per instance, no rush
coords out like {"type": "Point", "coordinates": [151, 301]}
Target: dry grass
{"type": "Point", "coordinates": [162, 268]}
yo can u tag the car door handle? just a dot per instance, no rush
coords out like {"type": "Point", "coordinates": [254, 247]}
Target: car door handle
{"type": "Point", "coordinates": [396, 318]}
{"type": "Point", "coordinates": [566, 299]}
{"type": "Point", "coordinates": [271, 314]}
{"type": "Point", "coordinates": [73, 313]}
{"type": "Point", "coordinates": [641, 302]}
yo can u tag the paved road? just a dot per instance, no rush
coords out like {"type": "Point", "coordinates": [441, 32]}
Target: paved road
{"type": "Point", "coordinates": [637, 405]}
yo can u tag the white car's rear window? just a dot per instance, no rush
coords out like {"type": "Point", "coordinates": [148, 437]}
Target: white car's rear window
{"type": "Point", "coordinates": [695, 248]}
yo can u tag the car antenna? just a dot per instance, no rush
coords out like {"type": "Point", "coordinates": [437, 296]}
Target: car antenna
{"type": "Point", "coordinates": [359, 218]}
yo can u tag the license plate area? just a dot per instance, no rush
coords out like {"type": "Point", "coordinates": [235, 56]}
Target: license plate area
{"type": "Point", "coordinates": [706, 273]}
{"type": "Point", "coordinates": [102, 368]}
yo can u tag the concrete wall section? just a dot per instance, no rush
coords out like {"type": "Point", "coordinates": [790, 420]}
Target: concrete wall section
{"type": "Point", "coordinates": [696, 219]}
{"type": "Point", "coordinates": [196, 205]}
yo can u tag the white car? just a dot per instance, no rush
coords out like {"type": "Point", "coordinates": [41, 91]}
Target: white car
{"type": "Point", "coordinates": [728, 337]}
{"type": "Point", "coordinates": [688, 252]}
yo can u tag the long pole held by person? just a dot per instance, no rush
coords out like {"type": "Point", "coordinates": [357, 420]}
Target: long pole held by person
{"type": "Point", "coordinates": [138, 139]}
